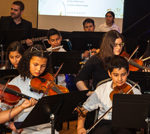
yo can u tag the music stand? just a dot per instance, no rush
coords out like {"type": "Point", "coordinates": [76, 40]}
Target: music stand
{"type": "Point", "coordinates": [131, 111]}
{"type": "Point", "coordinates": [70, 59]}
{"type": "Point", "coordinates": [82, 41]}
{"type": "Point", "coordinates": [60, 106]}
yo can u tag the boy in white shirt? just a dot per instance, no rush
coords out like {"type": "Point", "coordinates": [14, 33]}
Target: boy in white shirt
{"type": "Point", "coordinates": [118, 70]}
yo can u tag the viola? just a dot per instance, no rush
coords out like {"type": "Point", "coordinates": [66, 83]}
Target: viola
{"type": "Point", "coordinates": [124, 89]}
{"type": "Point", "coordinates": [11, 94]}
{"type": "Point", "coordinates": [45, 84]}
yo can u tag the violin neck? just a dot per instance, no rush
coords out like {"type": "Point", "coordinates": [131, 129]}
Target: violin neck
{"type": "Point", "coordinates": [135, 64]}
{"type": "Point", "coordinates": [13, 92]}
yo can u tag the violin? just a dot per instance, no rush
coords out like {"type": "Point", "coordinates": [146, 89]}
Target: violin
{"type": "Point", "coordinates": [11, 94]}
{"type": "Point", "coordinates": [124, 89]}
{"type": "Point", "coordinates": [134, 64]}
{"type": "Point", "coordinates": [45, 84]}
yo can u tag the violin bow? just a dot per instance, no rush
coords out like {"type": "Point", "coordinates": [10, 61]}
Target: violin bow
{"type": "Point", "coordinates": [88, 130]}
{"type": "Point", "coordinates": [54, 79]}
{"type": "Point", "coordinates": [133, 53]}
{"type": "Point", "coordinates": [147, 58]}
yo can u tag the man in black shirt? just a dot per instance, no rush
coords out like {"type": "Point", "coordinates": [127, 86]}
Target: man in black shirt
{"type": "Point", "coordinates": [15, 23]}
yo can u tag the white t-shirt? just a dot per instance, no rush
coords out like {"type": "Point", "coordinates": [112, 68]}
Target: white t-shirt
{"type": "Point", "coordinates": [105, 28]}
{"type": "Point", "coordinates": [100, 99]}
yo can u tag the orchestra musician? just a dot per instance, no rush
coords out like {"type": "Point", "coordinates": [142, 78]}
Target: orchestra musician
{"type": "Point", "coordinates": [33, 63]}
{"type": "Point", "coordinates": [14, 53]}
{"type": "Point", "coordinates": [112, 44]}
{"type": "Point", "coordinates": [16, 22]}
{"type": "Point", "coordinates": [11, 113]}
{"type": "Point", "coordinates": [88, 26]}
{"type": "Point", "coordinates": [118, 70]}
{"type": "Point", "coordinates": [110, 23]}
{"type": "Point", "coordinates": [54, 40]}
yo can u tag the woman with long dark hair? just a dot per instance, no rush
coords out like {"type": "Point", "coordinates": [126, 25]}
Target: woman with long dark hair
{"type": "Point", "coordinates": [112, 44]}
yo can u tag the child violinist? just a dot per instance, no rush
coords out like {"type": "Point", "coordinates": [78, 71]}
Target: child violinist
{"type": "Point", "coordinates": [118, 70]}
{"type": "Point", "coordinates": [14, 53]}
{"type": "Point", "coordinates": [33, 63]}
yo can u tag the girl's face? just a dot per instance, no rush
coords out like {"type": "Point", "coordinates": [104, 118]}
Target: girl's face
{"type": "Point", "coordinates": [118, 46]}
{"type": "Point", "coordinates": [14, 57]}
{"type": "Point", "coordinates": [37, 65]}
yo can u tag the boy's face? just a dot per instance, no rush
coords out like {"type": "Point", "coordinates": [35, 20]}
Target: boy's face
{"type": "Point", "coordinates": [119, 76]}
{"type": "Point", "coordinates": [89, 27]}
{"type": "Point", "coordinates": [55, 40]}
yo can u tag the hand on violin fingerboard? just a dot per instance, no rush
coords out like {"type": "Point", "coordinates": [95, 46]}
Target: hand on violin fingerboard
{"type": "Point", "coordinates": [28, 103]}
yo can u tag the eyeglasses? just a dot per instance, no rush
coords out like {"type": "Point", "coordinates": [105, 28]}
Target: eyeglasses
{"type": "Point", "coordinates": [120, 45]}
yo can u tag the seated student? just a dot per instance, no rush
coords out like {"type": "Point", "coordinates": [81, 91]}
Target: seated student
{"type": "Point", "coordinates": [88, 25]}
{"type": "Point", "coordinates": [11, 113]}
{"type": "Point", "coordinates": [118, 70]}
{"type": "Point", "coordinates": [112, 44]}
{"type": "Point", "coordinates": [34, 63]}
{"type": "Point", "coordinates": [109, 24]}
{"type": "Point", "coordinates": [54, 40]}
{"type": "Point", "coordinates": [13, 55]}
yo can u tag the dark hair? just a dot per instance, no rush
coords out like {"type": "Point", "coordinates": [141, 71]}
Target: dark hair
{"type": "Point", "coordinates": [110, 12]}
{"type": "Point", "coordinates": [14, 46]}
{"type": "Point", "coordinates": [19, 3]}
{"type": "Point", "coordinates": [53, 31]}
{"type": "Point", "coordinates": [88, 20]}
{"type": "Point", "coordinates": [117, 62]}
{"type": "Point", "coordinates": [24, 64]}
{"type": "Point", "coordinates": [108, 43]}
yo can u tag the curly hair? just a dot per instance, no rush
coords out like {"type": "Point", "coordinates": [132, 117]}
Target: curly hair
{"type": "Point", "coordinates": [14, 46]}
{"type": "Point", "coordinates": [24, 64]}
{"type": "Point", "coordinates": [108, 43]}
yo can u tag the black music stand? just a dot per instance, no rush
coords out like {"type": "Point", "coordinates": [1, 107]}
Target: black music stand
{"type": "Point", "coordinates": [131, 111]}
{"type": "Point", "coordinates": [70, 59]}
{"type": "Point", "coordinates": [82, 41]}
{"type": "Point", "coordinates": [54, 108]}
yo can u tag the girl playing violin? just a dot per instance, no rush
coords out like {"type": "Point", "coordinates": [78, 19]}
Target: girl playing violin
{"type": "Point", "coordinates": [112, 44]}
{"type": "Point", "coordinates": [118, 70]}
{"type": "Point", "coordinates": [33, 63]}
